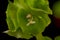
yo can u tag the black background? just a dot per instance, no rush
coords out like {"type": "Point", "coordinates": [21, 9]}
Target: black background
{"type": "Point", "coordinates": [51, 31]}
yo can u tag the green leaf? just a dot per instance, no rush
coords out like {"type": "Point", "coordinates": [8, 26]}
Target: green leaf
{"type": "Point", "coordinates": [57, 38]}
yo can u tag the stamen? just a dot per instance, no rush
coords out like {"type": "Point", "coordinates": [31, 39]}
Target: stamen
{"type": "Point", "coordinates": [29, 16]}
{"type": "Point", "coordinates": [31, 22]}
{"type": "Point", "coordinates": [30, 19]}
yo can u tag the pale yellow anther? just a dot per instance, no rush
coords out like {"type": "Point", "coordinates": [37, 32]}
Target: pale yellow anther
{"type": "Point", "coordinates": [30, 19]}
{"type": "Point", "coordinates": [31, 22]}
{"type": "Point", "coordinates": [29, 16]}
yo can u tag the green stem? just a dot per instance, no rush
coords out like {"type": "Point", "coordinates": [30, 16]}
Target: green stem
{"type": "Point", "coordinates": [40, 37]}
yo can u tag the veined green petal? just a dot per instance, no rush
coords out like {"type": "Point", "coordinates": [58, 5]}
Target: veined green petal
{"type": "Point", "coordinates": [10, 24]}
{"type": "Point", "coordinates": [20, 3]}
{"type": "Point", "coordinates": [35, 4]}
{"type": "Point", "coordinates": [12, 13]}
{"type": "Point", "coordinates": [18, 34]}
{"type": "Point", "coordinates": [39, 4]}
{"type": "Point", "coordinates": [43, 16]}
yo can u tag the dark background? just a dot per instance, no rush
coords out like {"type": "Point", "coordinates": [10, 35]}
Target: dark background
{"type": "Point", "coordinates": [51, 31]}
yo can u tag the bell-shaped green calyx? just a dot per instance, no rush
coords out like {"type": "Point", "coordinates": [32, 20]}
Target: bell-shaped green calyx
{"type": "Point", "coordinates": [27, 18]}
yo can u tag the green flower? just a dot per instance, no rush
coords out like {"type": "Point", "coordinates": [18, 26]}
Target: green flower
{"type": "Point", "coordinates": [27, 18]}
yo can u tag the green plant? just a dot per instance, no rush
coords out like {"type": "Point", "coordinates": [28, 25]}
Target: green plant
{"type": "Point", "coordinates": [28, 18]}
